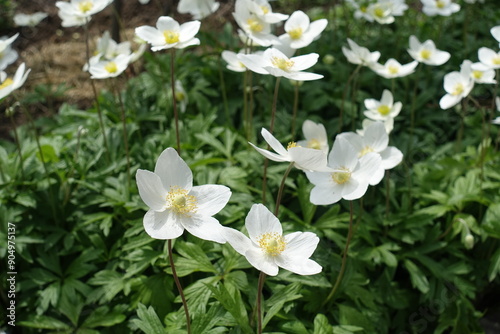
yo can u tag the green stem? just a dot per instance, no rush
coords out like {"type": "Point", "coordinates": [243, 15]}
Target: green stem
{"type": "Point", "coordinates": [224, 93]}
{"type": "Point", "coordinates": [282, 186]}
{"type": "Point", "coordinates": [124, 125]}
{"type": "Point", "coordinates": [295, 107]}
{"type": "Point", "coordinates": [18, 145]}
{"type": "Point", "coordinates": [275, 102]}
{"type": "Point", "coordinates": [344, 259]}
{"type": "Point", "coordinates": [260, 286]}
{"type": "Point", "coordinates": [387, 194]}
{"type": "Point", "coordinates": [179, 286]}
{"type": "Point", "coordinates": [344, 95]}
{"type": "Point", "coordinates": [174, 101]}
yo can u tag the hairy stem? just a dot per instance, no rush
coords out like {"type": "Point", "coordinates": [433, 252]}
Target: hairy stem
{"type": "Point", "coordinates": [178, 284]}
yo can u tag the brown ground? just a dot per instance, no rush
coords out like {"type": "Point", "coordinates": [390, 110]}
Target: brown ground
{"type": "Point", "coordinates": [56, 55]}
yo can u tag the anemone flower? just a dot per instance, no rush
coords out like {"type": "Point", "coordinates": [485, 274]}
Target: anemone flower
{"type": "Point", "coordinates": [300, 31]}
{"type": "Point", "coordinates": [393, 69]}
{"type": "Point", "coordinates": [105, 69]}
{"type": "Point", "coordinates": [169, 34]}
{"type": "Point", "coordinates": [79, 12]}
{"type": "Point", "coordinates": [263, 10]}
{"type": "Point", "coordinates": [439, 7]}
{"type": "Point", "coordinates": [253, 25]}
{"type": "Point", "coordinates": [175, 205]}
{"type": "Point", "coordinates": [233, 63]}
{"type": "Point", "coordinates": [7, 54]}
{"type": "Point", "coordinates": [489, 58]}
{"type": "Point", "coordinates": [427, 53]}
{"type": "Point", "coordinates": [457, 86]}
{"type": "Point", "coordinates": [8, 85]}
{"type": "Point", "coordinates": [384, 109]}
{"type": "Point", "coordinates": [29, 20]}
{"type": "Point", "coordinates": [199, 9]}
{"type": "Point", "coordinates": [315, 136]}
{"type": "Point", "coordinates": [268, 249]}
{"type": "Point", "coordinates": [360, 55]}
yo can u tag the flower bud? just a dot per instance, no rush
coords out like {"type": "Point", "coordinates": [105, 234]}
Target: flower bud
{"type": "Point", "coordinates": [328, 59]}
{"type": "Point", "coordinates": [469, 241]}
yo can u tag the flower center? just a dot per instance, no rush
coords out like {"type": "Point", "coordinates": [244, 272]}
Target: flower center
{"type": "Point", "coordinates": [314, 143]}
{"type": "Point", "coordinates": [7, 82]}
{"type": "Point", "coordinates": [384, 110]}
{"type": "Point", "coordinates": [342, 177]}
{"type": "Point", "coordinates": [180, 202]}
{"type": "Point", "coordinates": [458, 89]}
{"type": "Point", "coordinates": [393, 69]}
{"type": "Point", "coordinates": [255, 25]}
{"type": "Point", "coordinates": [425, 54]}
{"type": "Point", "coordinates": [272, 243]}
{"type": "Point", "coordinates": [291, 145]}
{"type": "Point", "coordinates": [477, 74]}
{"type": "Point", "coordinates": [496, 60]}
{"type": "Point", "coordinates": [180, 96]}
{"type": "Point", "coordinates": [365, 150]}
{"type": "Point", "coordinates": [440, 4]}
{"type": "Point", "coordinates": [111, 67]}
{"type": "Point", "coordinates": [265, 9]}
{"type": "Point", "coordinates": [282, 63]}
{"type": "Point", "coordinates": [363, 9]}
{"type": "Point", "coordinates": [170, 36]}
{"type": "Point", "coordinates": [295, 33]}
{"type": "Point", "coordinates": [85, 6]}
{"type": "Point", "coordinates": [379, 12]}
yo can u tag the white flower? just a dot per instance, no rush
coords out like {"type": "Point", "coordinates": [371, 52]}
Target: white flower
{"type": "Point", "coordinates": [381, 12]}
{"type": "Point", "coordinates": [263, 10]}
{"type": "Point", "coordinates": [315, 134]}
{"type": "Point", "coordinates": [104, 69]}
{"type": "Point", "coordinates": [360, 55]}
{"type": "Point", "coordinates": [199, 9]}
{"type": "Point", "coordinates": [169, 34]}
{"type": "Point", "coordinates": [7, 54]}
{"type": "Point", "coordinates": [144, 2]}
{"type": "Point", "coordinates": [79, 12]}
{"type": "Point", "coordinates": [267, 249]}
{"type": "Point", "coordinates": [303, 157]}
{"type": "Point", "coordinates": [393, 69]}
{"type": "Point", "coordinates": [8, 85]}
{"type": "Point", "coordinates": [274, 62]}
{"type": "Point", "coordinates": [439, 7]}
{"type": "Point", "coordinates": [495, 32]}
{"type": "Point", "coordinates": [426, 52]}
{"type": "Point", "coordinates": [457, 86]}
{"type": "Point", "coordinates": [375, 139]}
{"type": "Point", "coordinates": [108, 49]}
{"type": "Point", "coordinates": [254, 26]}
{"type": "Point", "coordinates": [29, 20]}
{"type": "Point", "coordinates": [174, 204]}
{"type": "Point", "coordinates": [300, 31]}
{"type": "Point", "coordinates": [351, 177]}
{"type": "Point", "coordinates": [383, 109]}
{"type": "Point", "coordinates": [479, 72]}
{"type": "Point", "coordinates": [489, 57]}
{"type": "Point", "coordinates": [497, 120]}
{"type": "Point", "coordinates": [388, 125]}
{"type": "Point", "coordinates": [181, 96]}
{"type": "Point", "coordinates": [233, 63]}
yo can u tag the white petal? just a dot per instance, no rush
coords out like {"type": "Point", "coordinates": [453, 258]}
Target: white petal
{"type": "Point", "coordinates": [391, 157]}
{"type": "Point", "coordinates": [173, 171]}
{"type": "Point", "coordinates": [188, 30]}
{"type": "Point", "coordinates": [301, 267]}
{"type": "Point", "coordinates": [162, 225]}
{"type": "Point", "coordinates": [264, 263]}
{"type": "Point", "coordinates": [273, 142]}
{"type": "Point", "coordinates": [304, 62]}
{"type": "Point", "coordinates": [368, 164]}
{"type": "Point", "coordinates": [308, 158]}
{"type": "Point", "coordinates": [210, 198]}
{"type": "Point", "coordinates": [449, 101]}
{"type": "Point", "coordinates": [240, 242]}
{"type": "Point", "coordinates": [376, 136]}
{"type": "Point", "coordinates": [150, 35]}
{"type": "Point", "coordinates": [300, 244]}
{"type": "Point", "coordinates": [342, 155]}
{"type": "Point", "coordinates": [165, 23]}
{"type": "Point", "coordinates": [260, 221]}
{"type": "Point", "coordinates": [206, 228]}
{"type": "Point", "coordinates": [151, 189]}
{"type": "Point", "coordinates": [324, 195]}
{"type": "Point", "coordinates": [270, 155]}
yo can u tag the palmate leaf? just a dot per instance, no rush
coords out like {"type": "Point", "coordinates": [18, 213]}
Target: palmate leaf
{"type": "Point", "coordinates": [193, 259]}
{"type": "Point", "coordinates": [148, 321]}
{"type": "Point", "coordinates": [103, 317]}
{"type": "Point", "coordinates": [417, 277]}
{"type": "Point", "coordinates": [321, 325]}
{"type": "Point", "coordinates": [274, 304]}
{"type": "Point", "coordinates": [45, 322]}
{"type": "Point", "coordinates": [198, 294]}
{"type": "Point", "coordinates": [205, 321]}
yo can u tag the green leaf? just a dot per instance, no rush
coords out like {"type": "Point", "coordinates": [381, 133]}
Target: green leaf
{"type": "Point", "coordinates": [491, 221]}
{"type": "Point", "coordinates": [45, 322]}
{"type": "Point", "coordinates": [345, 329]}
{"type": "Point", "coordinates": [205, 321]}
{"type": "Point", "coordinates": [494, 268]}
{"type": "Point", "coordinates": [435, 211]}
{"type": "Point", "coordinates": [198, 294]}
{"type": "Point", "coordinates": [193, 259]}
{"type": "Point", "coordinates": [148, 320]}
{"type": "Point", "coordinates": [321, 325]}
{"type": "Point", "coordinates": [279, 298]}
{"type": "Point", "coordinates": [418, 279]}
{"type": "Point", "coordinates": [102, 317]}
{"type": "Point", "coordinates": [350, 316]}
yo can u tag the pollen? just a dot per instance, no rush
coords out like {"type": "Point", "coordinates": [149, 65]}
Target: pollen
{"type": "Point", "coordinates": [496, 60]}
{"type": "Point", "coordinates": [393, 69]}
{"type": "Point", "coordinates": [314, 143]}
{"type": "Point", "coordinates": [440, 4]}
{"type": "Point", "coordinates": [272, 243]}
{"type": "Point", "coordinates": [295, 33]}
{"type": "Point", "coordinates": [265, 9]}
{"type": "Point", "coordinates": [367, 149]}
{"type": "Point", "coordinates": [85, 6]}
{"type": "Point", "coordinates": [379, 12]}
{"type": "Point", "coordinates": [7, 82]}
{"type": "Point", "coordinates": [180, 202]}
{"type": "Point", "coordinates": [384, 110]}
{"type": "Point", "coordinates": [458, 89]}
{"type": "Point", "coordinates": [291, 145]}
{"type": "Point", "coordinates": [425, 54]}
{"type": "Point", "coordinates": [255, 25]}
{"type": "Point", "coordinates": [111, 67]}
{"type": "Point", "coordinates": [342, 177]}
{"type": "Point", "coordinates": [282, 63]}
{"type": "Point", "coordinates": [171, 37]}
{"type": "Point", "coordinates": [477, 74]}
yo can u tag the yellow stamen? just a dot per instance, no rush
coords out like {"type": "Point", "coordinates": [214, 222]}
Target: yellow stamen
{"type": "Point", "coordinates": [255, 25]}
{"type": "Point", "coordinates": [180, 202]}
{"type": "Point", "coordinates": [440, 4]}
{"type": "Point", "coordinates": [292, 144]}
{"type": "Point", "coordinates": [171, 37]}
{"type": "Point", "coordinates": [496, 60]}
{"type": "Point", "coordinates": [314, 143]}
{"type": "Point", "coordinates": [365, 150]}
{"type": "Point", "coordinates": [477, 74]}
{"type": "Point", "coordinates": [282, 63]}
{"type": "Point", "coordinates": [425, 54]}
{"type": "Point", "coordinates": [393, 69]}
{"type": "Point", "coordinates": [342, 177]}
{"type": "Point", "coordinates": [272, 243]}
{"type": "Point", "coordinates": [295, 33]}
{"type": "Point", "coordinates": [111, 67]}
{"type": "Point", "coordinates": [85, 6]}
{"type": "Point", "coordinates": [265, 9]}
{"type": "Point", "coordinates": [379, 12]}
{"type": "Point", "coordinates": [363, 9]}
{"type": "Point", "coordinates": [458, 89]}
{"type": "Point", "coordinates": [384, 110]}
{"type": "Point", "coordinates": [7, 82]}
